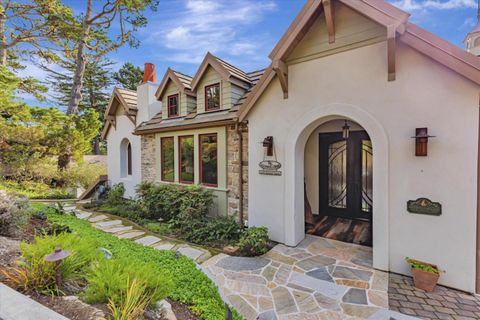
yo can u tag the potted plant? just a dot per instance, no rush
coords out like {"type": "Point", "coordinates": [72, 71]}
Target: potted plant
{"type": "Point", "coordinates": [425, 275]}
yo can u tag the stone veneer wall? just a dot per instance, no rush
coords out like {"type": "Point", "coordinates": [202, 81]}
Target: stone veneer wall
{"type": "Point", "coordinates": [233, 171]}
{"type": "Point", "coordinates": [148, 150]}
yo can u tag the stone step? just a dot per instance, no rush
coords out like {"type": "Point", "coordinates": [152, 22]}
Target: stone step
{"type": "Point", "coordinates": [82, 214]}
{"type": "Point", "coordinates": [148, 240]}
{"type": "Point", "coordinates": [131, 235]}
{"type": "Point", "coordinates": [98, 218]}
{"type": "Point", "coordinates": [118, 229]}
{"type": "Point", "coordinates": [109, 223]}
{"type": "Point", "coordinates": [164, 246]}
{"type": "Point", "coordinates": [190, 252]}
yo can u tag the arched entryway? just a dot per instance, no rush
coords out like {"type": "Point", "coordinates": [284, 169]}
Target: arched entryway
{"type": "Point", "coordinates": [338, 167]}
{"type": "Point", "coordinates": [294, 170]}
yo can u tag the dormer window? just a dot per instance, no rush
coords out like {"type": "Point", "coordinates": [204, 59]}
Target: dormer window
{"type": "Point", "coordinates": [173, 105]}
{"type": "Point", "coordinates": [212, 97]}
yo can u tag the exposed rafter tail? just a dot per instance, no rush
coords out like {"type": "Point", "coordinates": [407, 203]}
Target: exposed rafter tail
{"type": "Point", "coordinates": [281, 69]}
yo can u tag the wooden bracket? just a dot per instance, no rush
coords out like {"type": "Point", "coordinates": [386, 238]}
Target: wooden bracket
{"type": "Point", "coordinates": [391, 48]}
{"type": "Point", "coordinates": [281, 69]}
{"type": "Point", "coordinates": [112, 120]}
{"type": "Point", "coordinates": [329, 18]}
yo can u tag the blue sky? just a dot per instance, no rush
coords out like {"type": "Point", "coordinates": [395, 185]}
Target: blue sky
{"type": "Point", "coordinates": [243, 32]}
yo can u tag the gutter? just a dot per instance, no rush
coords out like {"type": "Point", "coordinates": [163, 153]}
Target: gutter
{"type": "Point", "coordinates": [238, 129]}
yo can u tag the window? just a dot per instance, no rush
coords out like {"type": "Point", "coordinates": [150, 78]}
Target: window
{"type": "Point", "coordinates": [208, 159]}
{"type": "Point", "coordinates": [125, 158]}
{"type": "Point", "coordinates": [186, 168]}
{"type": "Point", "coordinates": [129, 159]}
{"type": "Point", "coordinates": [212, 97]}
{"type": "Point", "coordinates": [167, 158]}
{"type": "Point", "coordinates": [173, 105]}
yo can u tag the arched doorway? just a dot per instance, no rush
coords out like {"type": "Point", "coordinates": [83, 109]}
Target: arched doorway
{"type": "Point", "coordinates": [294, 170]}
{"type": "Point", "coordinates": [339, 182]}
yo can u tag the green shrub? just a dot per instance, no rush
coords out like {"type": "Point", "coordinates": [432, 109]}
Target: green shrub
{"type": "Point", "coordinates": [14, 213]}
{"type": "Point", "coordinates": [415, 264]}
{"type": "Point", "coordinates": [81, 174]}
{"type": "Point", "coordinates": [254, 241]}
{"type": "Point", "coordinates": [34, 190]}
{"type": "Point", "coordinates": [210, 230]}
{"type": "Point", "coordinates": [109, 279]}
{"type": "Point", "coordinates": [167, 202]}
{"type": "Point", "coordinates": [133, 302]}
{"type": "Point", "coordinates": [114, 196]}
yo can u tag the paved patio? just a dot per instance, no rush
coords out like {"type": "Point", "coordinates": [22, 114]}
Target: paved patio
{"type": "Point", "coordinates": [442, 303]}
{"type": "Point", "coordinates": [318, 279]}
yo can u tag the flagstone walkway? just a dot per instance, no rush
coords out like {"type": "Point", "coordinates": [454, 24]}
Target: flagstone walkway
{"type": "Point", "coordinates": [318, 279]}
{"type": "Point", "coordinates": [123, 230]}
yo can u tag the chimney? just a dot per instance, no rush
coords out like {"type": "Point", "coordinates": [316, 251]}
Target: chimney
{"type": "Point", "coordinates": [149, 73]}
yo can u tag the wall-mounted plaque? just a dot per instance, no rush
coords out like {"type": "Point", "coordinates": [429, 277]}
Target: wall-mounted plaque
{"type": "Point", "coordinates": [424, 206]}
{"type": "Point", "coordinates": [270, 168]}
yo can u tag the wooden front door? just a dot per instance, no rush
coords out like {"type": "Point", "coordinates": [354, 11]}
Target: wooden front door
{"type": "Point", "coordinates": [346, 169]}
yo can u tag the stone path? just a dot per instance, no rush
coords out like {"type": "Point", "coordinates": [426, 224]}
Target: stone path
{"type": "Point", "coordinates": [123, 230]}
{"type": "Point", "coordinates": [442, 303]}
{"type": "Point", "coordinates": [318, 279]}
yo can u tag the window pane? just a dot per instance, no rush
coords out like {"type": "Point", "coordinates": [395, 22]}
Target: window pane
{"type": "Point", "coordinates": [337, 174]}
{"type": "Point", "coordinates": [173, 105]}
{"type": "Point", "coordinates": [167, 154]}
{"type": "Point", "coordinates": [129, 159]}
{"type": "Point", "coordinates": [367, 179]}
{"type": "Point", "coordinates": [212, 98]}
{"type": "Point", "coordinates": [186, 159]}
{"type": "Point", "coordinates": [208, 147]}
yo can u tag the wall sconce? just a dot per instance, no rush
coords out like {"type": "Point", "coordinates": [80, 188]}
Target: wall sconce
{"type": "Point", "coordinates": [268, 145]}
{"type": "Point", "coordinates": [421, 141]}
{"type": "Point", "coordinates": [345, 130]}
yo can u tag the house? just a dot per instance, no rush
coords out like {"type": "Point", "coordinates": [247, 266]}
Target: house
{"type": "Point", "coordinates": [364, 128]}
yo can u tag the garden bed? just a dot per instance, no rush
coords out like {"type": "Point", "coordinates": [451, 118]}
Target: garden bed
{"type": "Point", "coordinates": [190, 292]}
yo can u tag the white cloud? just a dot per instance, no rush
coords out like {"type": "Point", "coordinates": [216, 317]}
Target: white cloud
{"type": "Point", "coordinates": [198, 26]}
{"type": "Point", "coordinates": [416, 5]}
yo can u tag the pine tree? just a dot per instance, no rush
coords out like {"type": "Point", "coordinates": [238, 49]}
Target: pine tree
{"type": "Point", "coordinates": [95, 91]}
{"type": "Point", "coordinates": [128, 76]}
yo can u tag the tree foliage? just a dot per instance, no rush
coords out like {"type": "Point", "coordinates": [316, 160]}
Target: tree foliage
{"type": "Point", "coordinates": [120, 17]}
{"type": "Point", "coordinates": [29, 136]}
{"type": "Point", "coordinates": [128, 76]}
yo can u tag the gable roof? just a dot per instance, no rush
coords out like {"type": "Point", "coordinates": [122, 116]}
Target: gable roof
{"type": "Point", "coordinates": [383, 13]}
{"type": "Point", "coordinates": [227, 71]}
{"type": "Point", "coordinates": [182, 81]}
{"type": "Point", "coordinates": [127, 99]}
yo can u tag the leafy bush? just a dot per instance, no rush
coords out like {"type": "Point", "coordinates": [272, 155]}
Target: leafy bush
{"type": "Point", "coordinates": [115, 195]}
{"type": "Point", "coordinates": [81, 174]}
{"type": "Point", "coordinates": [415, 264]}
{"type": "Point", "coordinates": [210, 230]}
{"type": "Point", "coordinates": [167, 202]}
{"type": "Point", "coordinates": [254, 241]}
{"type": "Point", "coordinates": [14, 213]}
{"type": "Point", "coordinates": [191, 286]}
{"type": "Point", "coordinates": [109, 280]}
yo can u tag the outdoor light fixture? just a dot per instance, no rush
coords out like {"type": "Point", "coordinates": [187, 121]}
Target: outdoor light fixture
{"type": "Point", "coordinates": [421, 141]}
{"type": "Point", "coordinates": [345, 130]}
{"type": "Point", "coordinates": [57, 257]}
{"type": "Point", "coordinates": [268, 145]}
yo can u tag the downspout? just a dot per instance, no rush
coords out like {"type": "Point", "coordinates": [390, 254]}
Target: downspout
{"type": "Point", "coordinates": [238, 130]}
{"type": "Point", "coordinates": [477, 278]}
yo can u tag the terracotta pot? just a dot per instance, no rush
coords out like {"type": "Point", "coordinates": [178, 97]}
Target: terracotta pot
{"type": "Point", "coordinates": [425, 280]}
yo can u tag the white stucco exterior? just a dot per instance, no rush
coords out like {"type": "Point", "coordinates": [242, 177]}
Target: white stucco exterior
{"type": "Point", "coordinates": [353, 85]}
{"type": "Point", "coordinates": [116, 174]}
{"type": "Point", "coordinates": [147, 107]}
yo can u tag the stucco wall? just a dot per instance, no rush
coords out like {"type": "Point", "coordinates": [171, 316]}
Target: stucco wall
{"type": "Point", "coordinates": [124, 129]}
{"type": "Point", "coordinates": [424, 94]}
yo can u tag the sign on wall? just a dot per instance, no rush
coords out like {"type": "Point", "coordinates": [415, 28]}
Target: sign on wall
{"type": "Point", "coordinates": [424, 206]}
{"type": "Point", "coordinates": [270, 168]}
